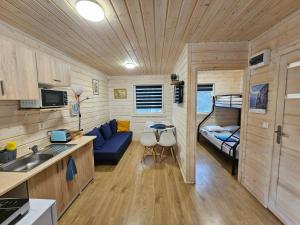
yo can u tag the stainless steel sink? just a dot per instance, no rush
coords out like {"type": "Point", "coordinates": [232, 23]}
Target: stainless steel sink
{"type": "Point", "coordinates": [26, 163]}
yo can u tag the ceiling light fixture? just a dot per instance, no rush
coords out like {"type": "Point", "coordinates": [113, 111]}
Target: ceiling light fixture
{"type": "Point", "coordinates": [90, 10]}
{"type": "Point", "coordinates": [130, 65]}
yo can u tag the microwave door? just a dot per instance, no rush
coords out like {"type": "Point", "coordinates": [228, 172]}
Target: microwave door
{"type": "Point", "coordinates": [52, 98]}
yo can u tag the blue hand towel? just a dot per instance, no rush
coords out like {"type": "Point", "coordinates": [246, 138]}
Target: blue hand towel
{"type": "Point", "coordinates": [71, 169]}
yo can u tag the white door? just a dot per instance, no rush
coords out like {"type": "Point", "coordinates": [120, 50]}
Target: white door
{"type": "Point", "coordinates": [285, 187]}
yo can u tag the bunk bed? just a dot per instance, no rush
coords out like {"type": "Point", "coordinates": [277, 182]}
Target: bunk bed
{"type": "Point", "coordinates": [226, 139]}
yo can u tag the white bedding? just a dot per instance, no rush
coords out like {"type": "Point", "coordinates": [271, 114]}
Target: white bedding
{"type": "Point", "coordinates": [217, 142]}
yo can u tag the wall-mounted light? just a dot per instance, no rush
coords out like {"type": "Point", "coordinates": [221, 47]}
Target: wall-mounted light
{"type": "Point", "coordinates": [90, 10]}
{"type": "Point", "coordinates": [130, 65]}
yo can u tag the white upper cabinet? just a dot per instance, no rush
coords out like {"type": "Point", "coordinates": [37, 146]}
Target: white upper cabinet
{"type": "Point", "coordinates": [18, 75]}
{"type": "Point", "coordinates": [52, 71]}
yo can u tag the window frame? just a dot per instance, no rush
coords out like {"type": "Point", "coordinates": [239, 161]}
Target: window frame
{"type": "Point", "coordinates": [150, 114]}
{"type": "Point", "coordinates": [213, 93]}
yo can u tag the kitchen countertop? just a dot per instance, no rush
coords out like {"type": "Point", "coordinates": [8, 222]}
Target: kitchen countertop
{"type": "Point", "coordinates": [10, 180]}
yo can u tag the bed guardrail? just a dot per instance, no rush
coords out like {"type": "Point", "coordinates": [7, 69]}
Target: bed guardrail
{"type": "Point", "coordinates": [232, 150]}
{"type": "Point", "coordinates": [233, 101]}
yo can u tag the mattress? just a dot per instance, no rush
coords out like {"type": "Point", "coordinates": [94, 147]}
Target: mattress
{"type": "Point", "coordinates": [210, 136]}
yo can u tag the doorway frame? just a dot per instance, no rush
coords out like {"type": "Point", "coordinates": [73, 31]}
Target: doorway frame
{"type": "Point", "coordinates": [207, 56]}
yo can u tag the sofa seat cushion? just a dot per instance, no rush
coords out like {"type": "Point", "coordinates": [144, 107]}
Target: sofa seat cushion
{"type": "Point", "coordinates": [106, 131]}
{"type": "Point", "coordinates": [99, 141]}
{"type": "Point", "coordinates": [115, 143]}
{"type": "Point", "coordinates": [113, 149]}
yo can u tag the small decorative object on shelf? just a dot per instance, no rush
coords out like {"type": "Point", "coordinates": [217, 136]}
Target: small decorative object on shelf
{"type": "Point", "coordinates": [175, 80]}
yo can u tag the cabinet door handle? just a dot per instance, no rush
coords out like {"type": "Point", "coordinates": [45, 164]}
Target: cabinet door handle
{"type": "Point", "coordinates": [62, 164]}
{"type": "Point", "coordinates": [57, 80]}
{"type": "Point", "coordinates": [57, 168]}
{"type": "Point", "coordinates": [2, 87]}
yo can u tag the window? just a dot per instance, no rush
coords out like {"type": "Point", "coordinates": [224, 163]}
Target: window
{"type": "Point", "coordinates": [148, 99]}
{"type": "Point", "coordinates": [204, 98]}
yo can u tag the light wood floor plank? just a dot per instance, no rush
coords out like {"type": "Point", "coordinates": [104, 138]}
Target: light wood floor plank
{"type": "Point", "coordinates": [135, 193]}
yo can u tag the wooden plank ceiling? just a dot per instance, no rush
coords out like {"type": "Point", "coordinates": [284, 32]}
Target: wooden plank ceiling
{"type": "Point", "coordinates": [150, 33]}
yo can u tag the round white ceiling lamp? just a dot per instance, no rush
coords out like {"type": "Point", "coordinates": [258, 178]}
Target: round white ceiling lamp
{"type": "Point", "coordinates": [90, 10]}
{"type": "Point", "coordinates": [130, 65]}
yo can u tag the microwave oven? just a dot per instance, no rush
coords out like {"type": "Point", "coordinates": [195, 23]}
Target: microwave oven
{"type": "Point", "coordinates": [47, 99]}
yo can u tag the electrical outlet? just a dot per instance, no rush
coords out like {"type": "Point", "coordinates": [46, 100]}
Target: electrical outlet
{"type": "Point", "coordinates": [41, 125]}
{"type": "Point", "coordinates": [265, 125]}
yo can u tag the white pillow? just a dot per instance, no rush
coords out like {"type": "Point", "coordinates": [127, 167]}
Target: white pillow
{"type": "Point", "coordinates": [214, 128]}
{"type": "Point", "coordinates": [231, 128]}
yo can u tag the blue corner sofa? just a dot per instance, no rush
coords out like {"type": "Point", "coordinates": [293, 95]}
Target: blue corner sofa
{"type": "Point", "coordinates": [110, 145]}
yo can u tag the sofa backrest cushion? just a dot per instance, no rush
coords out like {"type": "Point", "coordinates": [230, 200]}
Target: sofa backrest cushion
{"type": "Point", "coordinates": [113, 126]}
{"type": "Point", "coordinates": [99, 141]}
{"type": "Point", "coordinates": [106, 131]}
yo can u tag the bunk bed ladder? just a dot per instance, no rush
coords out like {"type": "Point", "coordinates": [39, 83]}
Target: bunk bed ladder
{"type": "Point", "coordinates": [206, 118]}
{"type": "Point", "coordinates": [233, 150]}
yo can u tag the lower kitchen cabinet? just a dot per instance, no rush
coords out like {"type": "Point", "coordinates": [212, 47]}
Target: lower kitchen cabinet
{"type": "Point", "coordinates": [52, 182]}
{"type": "Point", "coordinates": [85, 168]}
{"type": "Point", "coordinates": [70, 189]}
{"type": "Point", "coordinates": [47, 185]}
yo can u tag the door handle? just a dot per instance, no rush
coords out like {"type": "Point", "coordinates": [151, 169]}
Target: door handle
{"type": "Point", "coordinates": [2, 87]}
{"type": "Point", "coordinates": [280, 134]}
{"type": "Point", "coordinates": [57, 80]}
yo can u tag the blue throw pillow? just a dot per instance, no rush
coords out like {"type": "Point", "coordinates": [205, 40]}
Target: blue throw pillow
{"type": "Point", "coordinates": [113, 126]}
{"type": "Point", "coordinates": [223, 137]}
{"type": "Point", "coordinates": [106, 131]}
{"type": "Point", "coordinates": [99, 141]}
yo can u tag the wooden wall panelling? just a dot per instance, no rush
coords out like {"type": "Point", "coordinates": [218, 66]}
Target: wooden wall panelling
{"type": "Point", "coordinates": [18, 72]}
{"type": "Point", "coordinates": [179, 113]}
{"type": "Point", "coordinates": [281, 38]}
{"type": "Point", "coordinates": [225, 82]}
{"type": "Point", "coordinates": [124, 108]}
{"type": "Point", "coordinates": [48, 36]}
{"type": "Point", "coordinates": [150, 33]}
{"type": "Point", "coordinates": [195, 58]}
{"type": "Point", "coordinates": [29, 127]}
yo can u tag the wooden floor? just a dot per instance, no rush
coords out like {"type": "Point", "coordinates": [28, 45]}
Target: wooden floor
{"type": "Point", "coordinates": [133, 193]}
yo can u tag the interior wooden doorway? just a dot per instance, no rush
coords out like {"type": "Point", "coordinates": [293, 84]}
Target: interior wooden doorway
{"type": "Point", "coordinates": [223, 83]}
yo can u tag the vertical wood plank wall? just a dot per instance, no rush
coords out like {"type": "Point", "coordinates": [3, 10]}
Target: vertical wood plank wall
{"type": "Point", "coordinates": [203, 57]}
{"type": "Point", "coordinates": [194, 58]}
{"type": "Point", "coordinates": [258, 145]}
{"type": "Point", "coordinates": [179, 112]}
{"type": "Point", "coordinates": [225, 82]}
{"type": "Point", "coordinates": [124, 108]}
{"type": "Point", "coordinates": [24, 127]}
